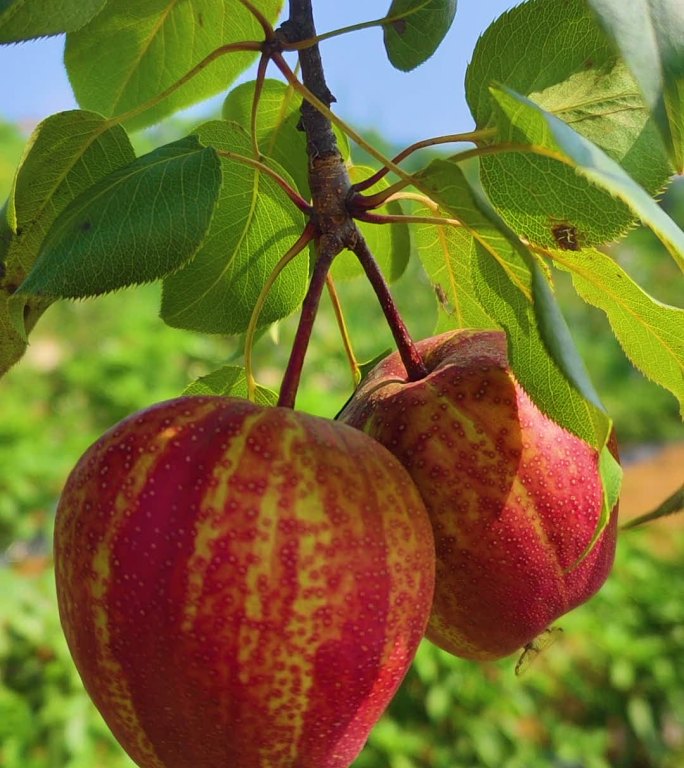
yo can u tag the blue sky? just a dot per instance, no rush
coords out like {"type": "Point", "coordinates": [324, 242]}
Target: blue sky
{"type": "Point", "coordinates": [426, 102]}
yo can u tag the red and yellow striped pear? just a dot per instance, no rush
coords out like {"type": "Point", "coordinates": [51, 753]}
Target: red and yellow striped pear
{"type": "Point", "coordinates": [241, 586]}
{"type": "Point", "coordinates": [514, 499]}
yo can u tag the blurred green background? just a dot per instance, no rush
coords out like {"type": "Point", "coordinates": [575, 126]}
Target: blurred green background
{"type": "Point", "coordinates": [609, 693]}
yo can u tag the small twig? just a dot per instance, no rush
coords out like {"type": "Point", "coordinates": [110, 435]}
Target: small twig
{"type": "Point", "coordinates": [296, 198]}
{"type": "Point", "coordinates": [258, 88]}
{"type": "Point", "coordinates": [378, 218]}
{"type": "Point", "coordinates": [359, 202]}
{"type": "Point", "coordinates": [454, 138]}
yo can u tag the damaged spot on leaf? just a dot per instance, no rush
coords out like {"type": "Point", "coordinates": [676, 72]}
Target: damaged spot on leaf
{"type": "Point", "coordinates": [566, 236]}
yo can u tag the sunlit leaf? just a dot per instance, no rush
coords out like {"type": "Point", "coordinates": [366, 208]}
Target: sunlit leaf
{"type": "Point", "coordinates": [27, 19]}
{"type": "Point", "coordinates": [129, 54]}
{"type": "Point", "coordinates": [532, 47]}
{"type": "Point", "coordinates": [650, 37]}
{"type": "Point", "coordinates": [651, 333]}
{"type": "Point", "coordinates": [229, 381]}
{"type": "Point", "coordinates": [254, 225]}
{"type": "Point", "coordinates": [447, 254]}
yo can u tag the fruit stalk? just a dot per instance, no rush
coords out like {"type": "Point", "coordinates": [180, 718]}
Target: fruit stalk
{"type": "Point", "coordinates": [410, 356]}
{"type": "Point", "coordinates": [293, 371]}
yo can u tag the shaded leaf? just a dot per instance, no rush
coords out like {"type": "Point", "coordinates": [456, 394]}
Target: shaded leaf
{"type": "Point", "coordinates": [136, 225]}
{"type": "Point", "coordinates": [650, 37]}
{"type": "Point", "coordinates": [28, 19]}
{"type": "Point", "coordinates": [65, 155]}
{"type": "Point", "coordinates": [229, 381]}
{"type": "Point", "coordinates": [254, 225]}
{"type": "Point", "coordinates": [650, 333]}
{"type": "Point", "coordinates": [531, 125]}
{"type": "Point", "coordinates": [132, 52]}
{"type": "Point", "coordinates": [414, 29]}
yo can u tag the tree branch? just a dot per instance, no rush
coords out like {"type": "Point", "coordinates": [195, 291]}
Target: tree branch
{"type": "Point", "coordinates": [328, 177]}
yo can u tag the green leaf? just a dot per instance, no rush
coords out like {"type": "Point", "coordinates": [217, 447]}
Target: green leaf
{"type": "Point", "coordinates": [28, 19]}
{"type": "Point", "coordinates": [65, 155]}
{"type": "Point", "coordinates": [447, 253]}
{"type": "Point", "coordinates": [606, 107]}
{"type": "Point", "coordinates": [277, 132]}
{"type": "Point", "coordinates": [254, 225]}
{"type": "Point", "coordinates": [129, 54]}
{"type": "Point", "coordinates": [514, 292]}
{"type": "Point", "coordinates": [389, 243]}
{"type": "Point", "coordinates": [650, 37]}
{"type": "Point", "coordinates": [531, 125]}
{"type": "Point", "coordinates": [611, 473]}
{"type": "Point", "coordinates": [414, 29]}
{"type": "Point", "coordinates": [229, 381]}
{"type": "Point", "coordinates": [136, 225]}
{"type": "Point", "coordinates": [563, 63]}
{"type": "Point", "coordinates": [532, 47]}
{"type": "Point", "coordinates": [651, 333]}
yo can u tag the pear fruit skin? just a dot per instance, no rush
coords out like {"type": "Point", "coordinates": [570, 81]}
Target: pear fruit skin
{"type": "Point", "coordinates": [240, 585]}
{"type": "Point", "coordinates": [514, 498]}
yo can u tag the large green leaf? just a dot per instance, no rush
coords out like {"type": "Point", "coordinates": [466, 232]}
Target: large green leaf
{"type": "Point", "coordinates": [135, 225]}
{"type": "Point", "coordinates": [529, 124]}
{"type": "Point", "coordinates": [532, 47]}
{"type": "Point", "coordinates": [254, 225]}
{"type": "Point", "coordinates": [651, 333]}
{"type": "Point", "coordinates": [564, 64]}
{"type": "Point", "coordinates": [513, 291]}
{"type": "Point", "coordinates": [66, 154]}
{"type": "Point", "coordinates": [229, 381]}
{"type": "Point", "coordinates": [27, 19]}
{"type": "Point", "coordinates": [414, 29]}
{"type": "Point", "coordinates": [277, 132]}
{"type": "Point", "coordinates": [133, 51]}
{"type": "Point", "coordinates": [650, 37]}
{"type": "Point", "coordinates": [447, 253]}
{"type": "Point", "coordinates": [389, 243]}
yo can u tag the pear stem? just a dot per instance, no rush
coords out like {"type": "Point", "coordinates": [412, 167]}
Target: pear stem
{"type": "Point", "coordinates": [293, 372]}
{"type": "Point", "coordinates": [413, 362]}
